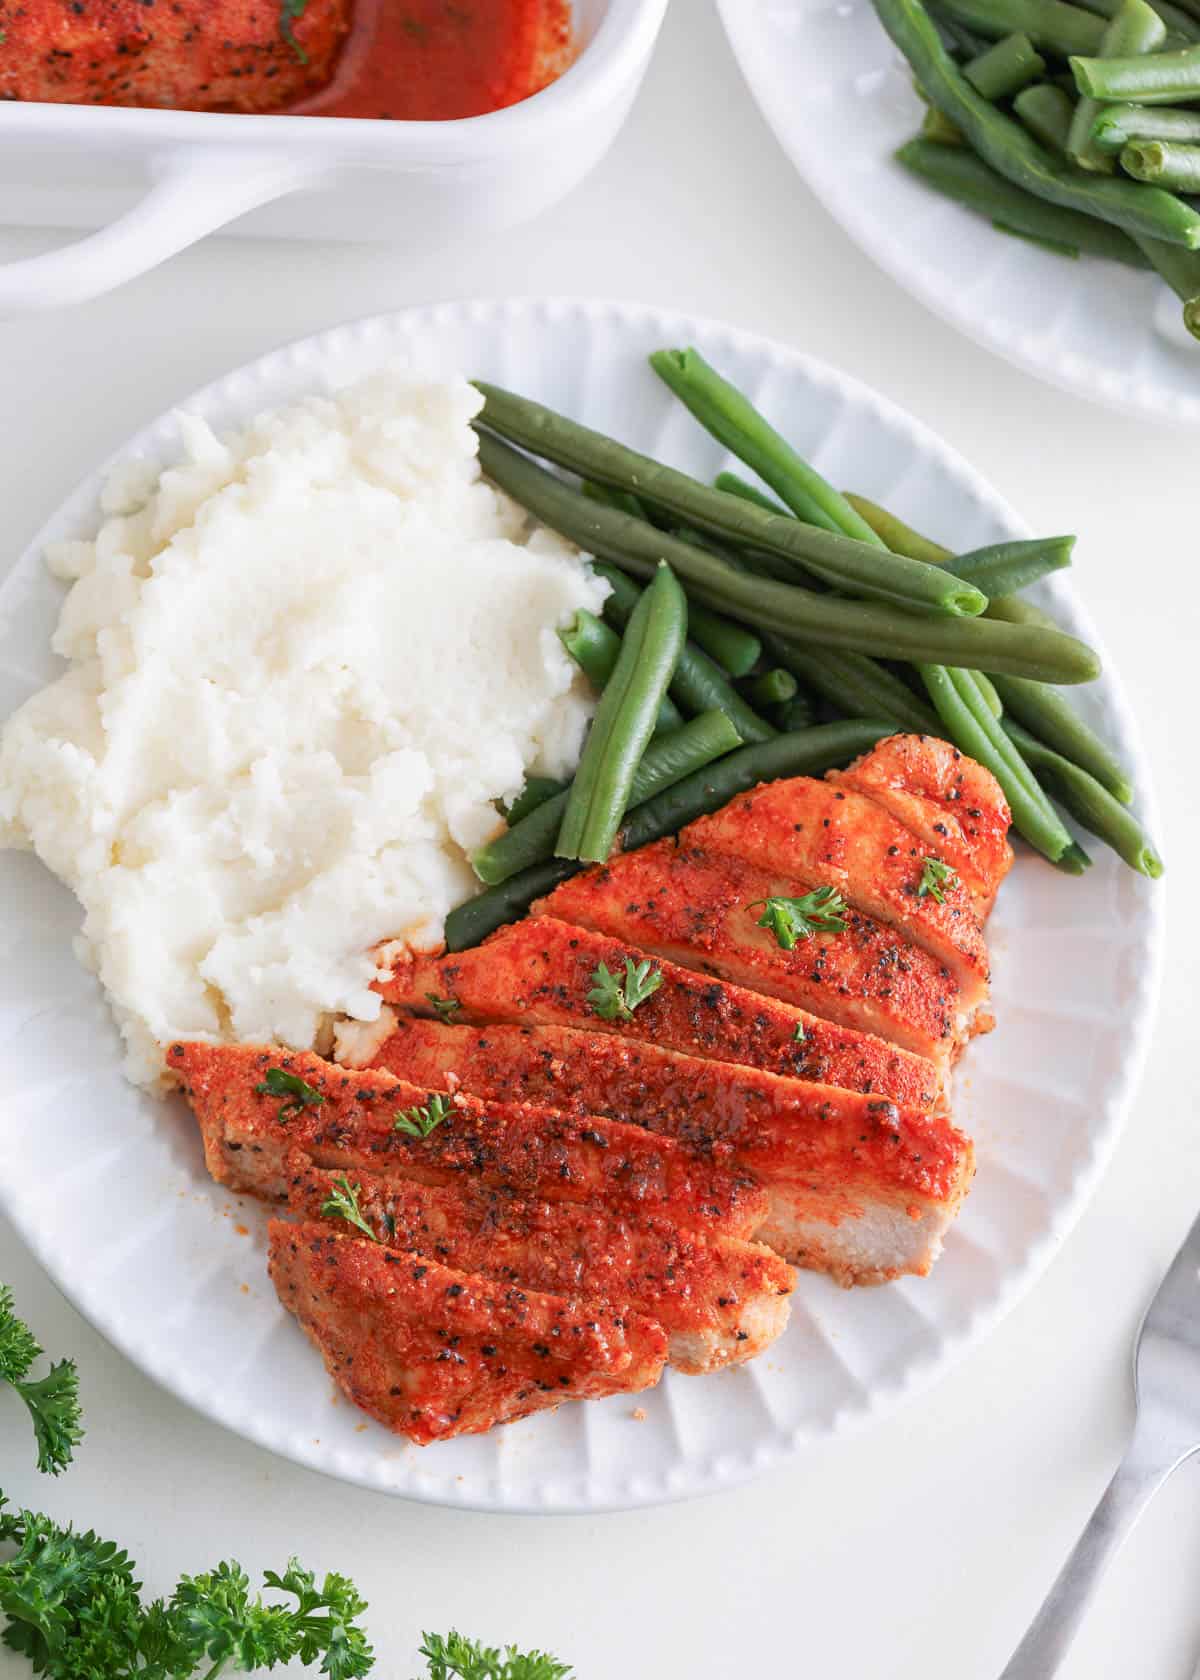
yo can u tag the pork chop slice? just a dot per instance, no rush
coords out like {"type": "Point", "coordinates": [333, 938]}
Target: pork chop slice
{"type": "Point", "coordinates": [720, 1300]}
{"type": "Point", "coordinates": [837, 1166]}
{"type": "Point", "coordinates": [701, 909]}
{"type": "Point", "coordinates": [545, 971]}
{"type": "Point", "coordinates": [248, 1135]}
{"type": "Point", "coordinates": [954, 806]}
{"type": "Point", "coordinates": [820, 834]}
{"type": "Point", "coordinates": [433, 1352]}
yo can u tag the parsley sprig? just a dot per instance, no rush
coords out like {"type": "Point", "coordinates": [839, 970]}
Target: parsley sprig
{"type": "Point", "coordinates": [342, 1203]}
{"type": "Point", "coordinates": [74, 1609]}
{"type": "Point", "coordinates": [614, 999]}
{"type": "Point", "coordinates": [419, 1122]}
{"type": "Point", "coordinates": [297, 1093]}
{"type": "Point", "coordinates": [52, 1400]}
{"type": "Point", "coordinates": [935, 875]}
{"type": "Point", "coordinates": [792, 919]}
{"type": "Point", "coordinates": [456, 1658]}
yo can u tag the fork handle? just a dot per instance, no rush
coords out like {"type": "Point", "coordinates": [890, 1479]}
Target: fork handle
{"type": "Point", "coordinates": [1043, 1648]}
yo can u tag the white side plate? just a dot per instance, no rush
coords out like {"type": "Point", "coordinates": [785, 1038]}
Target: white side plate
{"type": "Point", "coordinates": [108, 1187]}
{"type": "Point", "coordinates": [840, 99]}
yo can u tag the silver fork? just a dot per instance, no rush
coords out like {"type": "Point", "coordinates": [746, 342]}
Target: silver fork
{"type": "Point", "coordinates": [1166, 1431]}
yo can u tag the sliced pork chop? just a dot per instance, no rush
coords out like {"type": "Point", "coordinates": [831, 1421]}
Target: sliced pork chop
{"type": "Point", "coordinates": [720, 1301]}
{"type": "Point", "coordinates": [701, 909]}
{"type": "Point", "coordinates": [818, 834]}
{"type": "Point", "coordinates": [433, 1352]}
{"type": "Point", "coordinates": [248, 1135]}
{"type": "Point", "coordinates": [544, 971]}
{"type": "Point", "coordinates": [953, 805]}
{"type": "Point", "coordinates": [836, 1165]}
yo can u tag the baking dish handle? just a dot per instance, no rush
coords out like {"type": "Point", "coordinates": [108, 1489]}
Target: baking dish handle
{"type": "Point", "coordinates": [191, 196]}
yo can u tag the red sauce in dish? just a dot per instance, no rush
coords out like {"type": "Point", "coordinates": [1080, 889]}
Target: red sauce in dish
{"type": "Point", "coordinates": [433, 60]}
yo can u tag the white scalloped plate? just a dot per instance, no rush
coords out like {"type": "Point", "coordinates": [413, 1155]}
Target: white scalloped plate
{"type": "Point", "coordinates": [840, 99]}
{"type": "Point", "coordinates": [108, 1187]}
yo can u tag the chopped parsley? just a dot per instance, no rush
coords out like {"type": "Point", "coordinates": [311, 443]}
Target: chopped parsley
{"type": "Point", "coordinates": [799, 1035]}
{"type": "Point", "coordinates": [793, 919]}
{"type": "Point", "coordinates": [297, 1093]}
{"type": "Point", "coordinates": [615, 1000]}
{"type": "Point", "coordinates": [289, 11]}
{"type": "Point", "coordinates": [934, 876]}
{"type": "Point", "coordinates": [446, 1008]}
{"type": "Point", "coordinates": [419, 1122]}
{"type": "Point", "coordinates": [342, 1203]}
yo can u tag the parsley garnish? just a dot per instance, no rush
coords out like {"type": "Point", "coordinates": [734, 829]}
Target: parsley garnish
{"type": "Point", "coordinates": [53, 1400]}
{"type": "Point", "coordinates": [616, 1000]}
{"type": "Point", "coordinates": [289, 11]}
{"type": "Point", "coordinates": [74, 1610]}
{"type": "Point", "coordinates": [934, 876]}
{"type": "Point", "coordinates": [455, 1656]}
{"type": "Point", "coordinates": [296, 1092]}
{"type": "Point", "coordinates": [793, 919]}
{"type": "Point", "coordinates": [342, 1203]}
{"type": "Point", "coordinates": [419, 1122]}
{"type": "Point", "coordinates": [446, 1008]}
{"type": "Point", "coordinates": [799, 1035]}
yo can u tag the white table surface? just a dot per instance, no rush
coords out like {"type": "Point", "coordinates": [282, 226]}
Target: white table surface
{"type": "Point", "coordinates": [923, 1547]}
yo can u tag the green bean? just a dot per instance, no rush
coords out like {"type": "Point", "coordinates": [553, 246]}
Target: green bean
{"type": "Point", "coordinates": [1164, 163]}
{"type": "Point", "coordinates": [772, 688]}
{"type": "Point", "coordinates": [855, 684]}
{"type": "Point", "coordinates": [1181, 271]}
{"type": "Point", "coordinates": [797, 713]}
{"type": "Point", "coordinates": [1181, 28]}
{"type": "Point", "coordinates": [470, 923]}
{"type": "Point", "coordinates": [699, 684]}
{"type": "Point", "coordinates": [1046, 112]}
{"type": "Point", "coordinates": [734, 485]}
{"type": "Point", "coordinates": [735, 648]}
{"type": "Point", "coordinates": [1117, 125]}
{"type": "Point", "coordinates": [1015, 154]}
{"type": "Point", "coordinates": [809, 752]}
{"type": "Point", "coordinates": [1168, 78]}
{"type": "Point", "coordinates": [1049, 24]}
{"type": "Point", "coordinates": [898, 536]}
{"type": "Point", "coordinates": [839, 560]}
{"type": "Point", "coordinates": [973, 729]}
{"type": "Point", "coordinates": [957, 173]}
{"type": "Point", "coordinates": [620, 499]}
{"type": "Point", "coordinates": [595, 648]}
{"type": "Point", "coordinates": [734, 421]}
{"type": "Point", "coordinates": [1074, 860]}
{"type": "Point", "coordinates": [1003, 568]}
{"type": "Point", "coordinates": [863, 627]}
{"type": "Point", "coordinates": [987, 688]}
{"type": "Point", "coordinates": [958, 39]}
{"type": "Point", "coordinates": [1006, 67]}
{"type": "Point", "coordinates": [1089, 803]}
{"type": "Point", "coordinates": [937, 127]}
{"type": "Point", "coordinates": [624, 720]}
{"type": "Point", "coordinates": [1135, 28]}
{"type": "Point", "coordinates": [537, 790]}
{"type": "Point", "coordinates": [668, 759]}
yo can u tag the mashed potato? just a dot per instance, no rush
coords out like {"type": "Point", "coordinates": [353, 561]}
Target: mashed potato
{"type": "Point", "coordinates": [303, 664]}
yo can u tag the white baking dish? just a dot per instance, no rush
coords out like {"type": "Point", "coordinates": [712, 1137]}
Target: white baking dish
{"type": "Point", "coordinates": [155, 181]}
